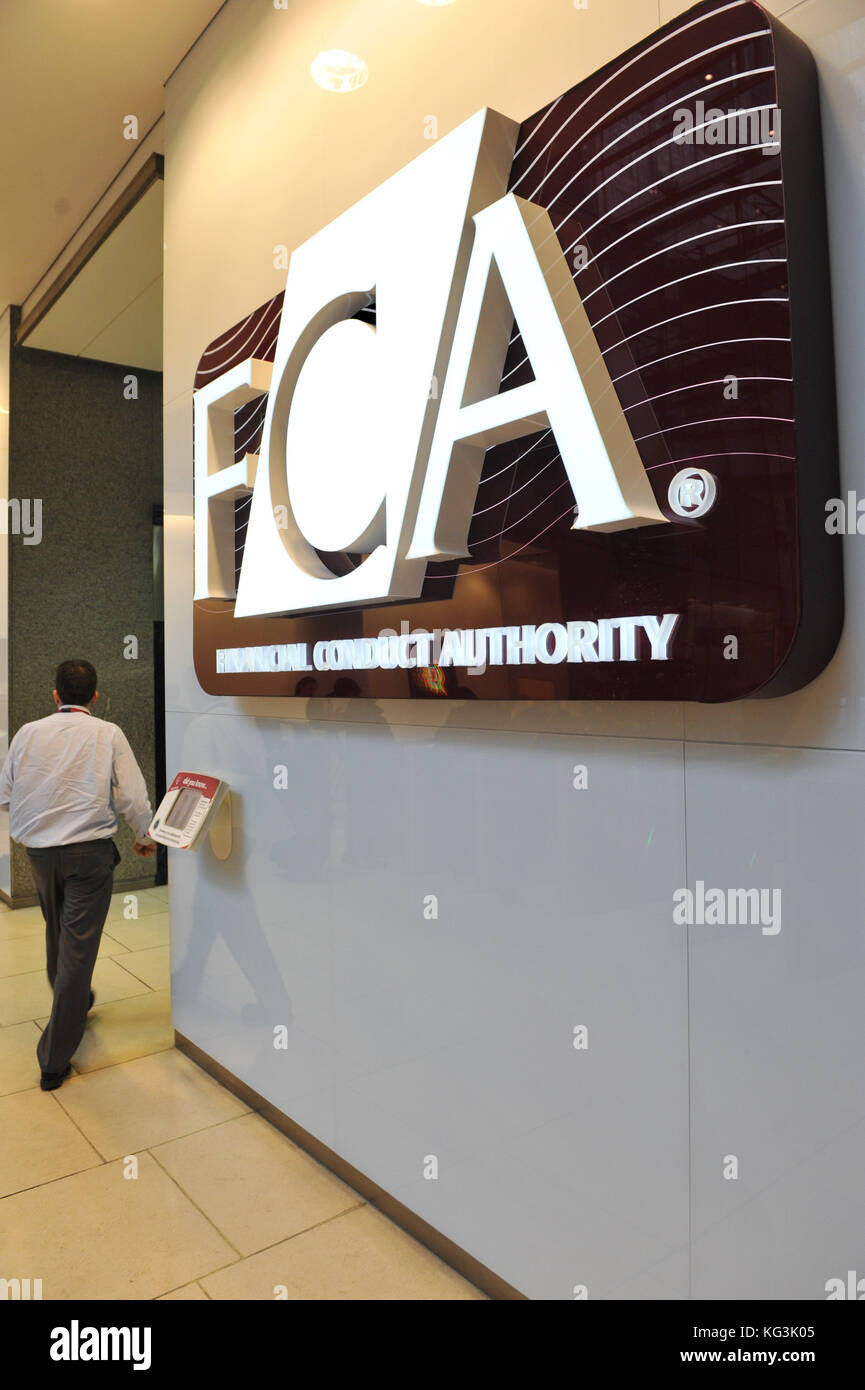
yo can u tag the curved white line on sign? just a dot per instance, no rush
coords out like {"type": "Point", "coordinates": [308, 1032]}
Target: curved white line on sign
{"type": "Point", "coordinates": [715, 420]}
{"type": "Point", "coordinates": [704, 309]}
{"type": "Point", "coordinates": [680, 280]}
{"type": "Point", "coordinates": [623, 68]}
{"type": "Point", "coordinates": [674, 246]}
{"type": "Point", "coordinates": [701, 347]}
{"type": "Point", "coordinates": [694, 385]}
{"type": "Point", "coordinates": [673, 211]}
{"type": "Point", "coordinates": [653, 115]}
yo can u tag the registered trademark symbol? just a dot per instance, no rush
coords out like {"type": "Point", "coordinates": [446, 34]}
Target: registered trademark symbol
{"type": "Point", "coordinates": [692, 492]}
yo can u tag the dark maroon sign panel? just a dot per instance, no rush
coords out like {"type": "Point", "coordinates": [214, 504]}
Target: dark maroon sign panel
{"type": "Point", "coordinates": [703, 268]}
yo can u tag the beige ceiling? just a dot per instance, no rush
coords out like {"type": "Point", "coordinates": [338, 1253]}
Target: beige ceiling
{"type": "Point", "coordinates": [70, 71]}
{"type": "Point", "coordinates": [112, 310]}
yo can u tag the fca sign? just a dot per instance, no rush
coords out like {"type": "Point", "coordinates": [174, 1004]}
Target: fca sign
{"type": "Point", "coordinates": [358, 454]}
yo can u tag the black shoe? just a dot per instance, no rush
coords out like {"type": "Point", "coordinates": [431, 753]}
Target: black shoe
{"type": "Point", "coordinates": [52, 1079]}
{"type": "Point", "coordinates": [92, 1001]}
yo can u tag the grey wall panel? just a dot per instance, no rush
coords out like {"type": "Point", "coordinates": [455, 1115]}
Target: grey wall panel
{"type": "Point", "coordinates": [777, 1025]}
{"type": "Point", "coordinates": [95, 460]}
{"type": "Point", "coordinates": [451, 1036]}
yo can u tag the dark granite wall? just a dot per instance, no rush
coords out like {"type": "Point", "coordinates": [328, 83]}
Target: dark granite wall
{"type": "Point", "coordinates": [95, 460]}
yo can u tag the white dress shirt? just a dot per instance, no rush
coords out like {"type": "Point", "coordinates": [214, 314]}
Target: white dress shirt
{"type": "Point", "coordinates": [66, 777]}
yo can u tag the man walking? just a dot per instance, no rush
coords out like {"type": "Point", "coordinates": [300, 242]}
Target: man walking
{"type": "Point", "coordinates": [64, 780]}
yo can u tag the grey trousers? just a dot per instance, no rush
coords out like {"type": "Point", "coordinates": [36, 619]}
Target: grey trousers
{"type": "Point", "coordinates": [74, 885]}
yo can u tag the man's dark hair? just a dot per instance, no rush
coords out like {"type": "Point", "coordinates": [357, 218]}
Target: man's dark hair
{"type": "Point", "coordinates": [75, 682]}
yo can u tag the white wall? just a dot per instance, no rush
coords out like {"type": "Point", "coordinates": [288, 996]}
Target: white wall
{"type": "Point", "coordinates": [454, 1037]}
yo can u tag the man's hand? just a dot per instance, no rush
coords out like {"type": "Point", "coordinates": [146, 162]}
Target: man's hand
{"type": "Point", "coordinates": [144, 848]}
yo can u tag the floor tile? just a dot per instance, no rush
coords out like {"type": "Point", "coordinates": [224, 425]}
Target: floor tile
{"type": "Point", "coordinates": [123, 1030]}
{"type": "Point", "coordinates": [29, 996]}
{"type": "Point", "coordinates": [140, 901]}
{"type": "Point", "coordinates": [256, 1186]}
{"type": "Point", "coordinates": [110, 946]}
{"type": "Point", "coordinates": [23, 997]}
{"type": "Point", "coordinates": [360, 1255]}
{"type": "Point", "coordinates": [19, 1069]}
{"type": "Point", "coordinates": [22, 955]}
{"type": "Point", "coordinates": [142, 935]}
{"type": "Point", "coordinates": [40, 1142]}
{"type": "Point", "coordinates": [111, 981]}
{"type": "Point", "coordinates": [22, 922]}
{"type": "Point", "coordinates": [133, 1106]}
{"type": "Point", "coordinates": [152, 967]}
{"type": "Point", "coordinates": [99, 1235]}
{"type": "Point", "coordinates": [188, 1294]}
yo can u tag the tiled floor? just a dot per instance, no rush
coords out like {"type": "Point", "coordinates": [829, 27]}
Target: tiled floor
{"type": "Point", "coordinates": [143, 1178]}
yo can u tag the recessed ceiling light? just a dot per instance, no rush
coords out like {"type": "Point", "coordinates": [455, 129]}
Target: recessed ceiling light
{"type": "Point", "coordinates": [435, 2]}
{"type": "Point", "coordinates": [339, 71]}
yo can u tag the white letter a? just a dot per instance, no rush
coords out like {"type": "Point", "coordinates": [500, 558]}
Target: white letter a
{"type": "Point", "coordinates": [517, 270]}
